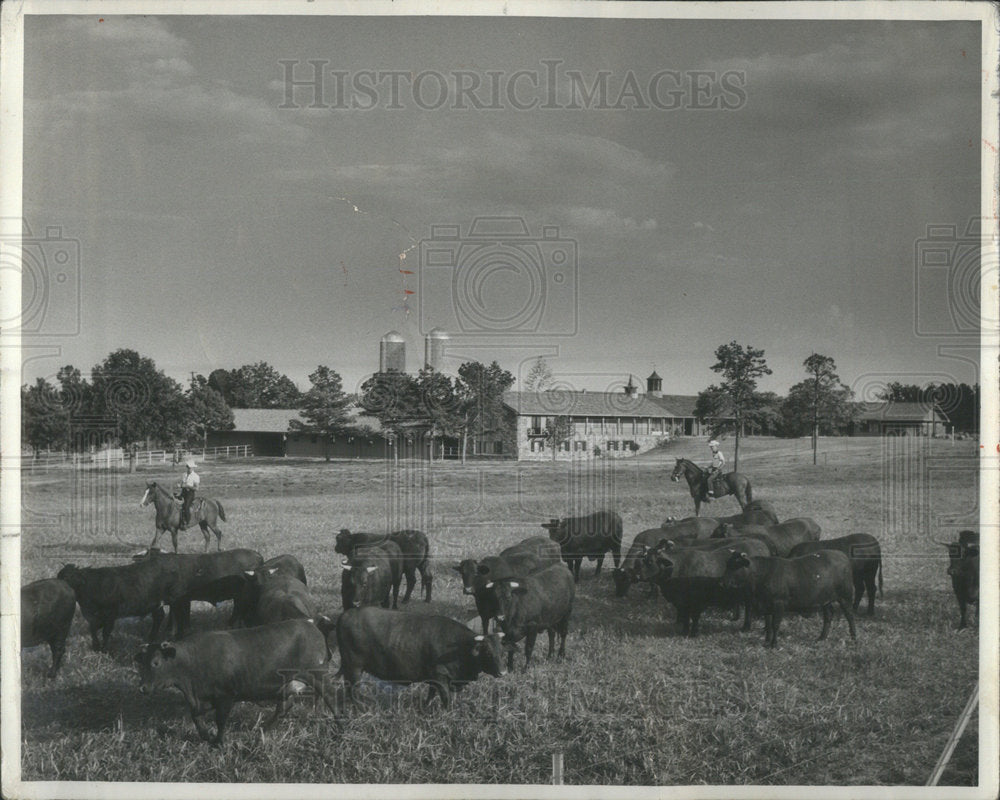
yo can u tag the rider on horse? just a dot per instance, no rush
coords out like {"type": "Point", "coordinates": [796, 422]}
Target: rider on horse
{"type": "Point", "coordinates": [718, 462]}
{"type": "Point", "coordinates": [188, 486]}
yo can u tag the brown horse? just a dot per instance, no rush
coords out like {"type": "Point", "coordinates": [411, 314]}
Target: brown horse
{"type": "Point", "coordinates": [168, 514]}
{"type": "Point", "coordinates": [734, 483]}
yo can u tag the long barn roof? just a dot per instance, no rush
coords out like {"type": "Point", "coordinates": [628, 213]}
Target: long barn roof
{"type": "Point", "coordinates": [590, 404]}
{"type": "Point", "coordinates": [902, 412]}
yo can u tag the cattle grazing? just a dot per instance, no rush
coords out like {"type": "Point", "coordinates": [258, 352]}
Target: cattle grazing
{"type": "Point", "coordinates": [370, 574]}
{"type": "Point", "coordinates": [963, 568]}
{"type": "Point", "coordinates": [691, 527]}
{"type": "Point", "coordinates": [47, 609]}
{"type": "Point", "coordinates": [278, 596]}
{"type": "Point", "coordinates": [591, 537]}
{"type": "Point", "coordinates": [413, 545]}
{"type": "Point", "coordinates": [207, 577]}
{"type": "Point", "coordinates": [801, 584]}
{"type": "Point", "coordinates": [415, 648]}
{"type": "Point", "coordinates": [866, 562]}
{"type": "Point", "coordinates": [215, 669]}
{"type": "Point", "coordinates": [630, 571]}
{"type": "Point", "coordinates": [690, 579]}
{"type": "Point", "coordinates": [785, 535]}
{"type": "Point", "coordinates": [542, 601]}
{"type": "Point", "coordinates": [106, 594]}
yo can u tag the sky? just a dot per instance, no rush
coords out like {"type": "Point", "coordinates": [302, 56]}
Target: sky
{"type": "Point", "coordinates": [765, 182]}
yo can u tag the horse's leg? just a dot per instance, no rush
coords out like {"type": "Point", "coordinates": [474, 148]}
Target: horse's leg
{"type": "Point", "coordinates": [218, 535]}
{"type": "Point", "coordinates": [204, 532]}
{"type": "Point", "coordinates": [173, 535]}
{"type": "Point", "coordinates": [156, 538]}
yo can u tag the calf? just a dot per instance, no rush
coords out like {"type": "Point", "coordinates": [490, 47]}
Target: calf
{"type": "Point", "coordinates": [591, 536]}
{"type": "Point", "coordinates": [414, 648]}
{"type": "Point", "coordinates": [785, 535]}
{"type": "Point", "coordinates": [539, 602]}
{"type": "Point", "coordinates": [801, 584]}
{"type": "Point", "coordinates": [413, 546]}
{"type": "Point", "coordinates": [866, 562]}
{"type": "Point", "coordinates": [47, 609]}
{"type": "Point", "coordinates": [278, 596]}
{"type": "Point", "coordinates": [963, 568]}
{"type": "Point", "coordinates": [106, 594]}
{"type": "Point", "coordinates": [370, 574]}
{"type": "Point", "coordinates": [690, 579]}
{"type": "Point", "coordinates": [214, 669]}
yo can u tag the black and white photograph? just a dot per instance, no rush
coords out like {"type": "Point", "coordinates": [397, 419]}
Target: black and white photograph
{"type": "Point", "coordinates": [499, 400]}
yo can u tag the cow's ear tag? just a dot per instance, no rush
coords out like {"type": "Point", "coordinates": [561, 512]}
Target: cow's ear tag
{"type": "Point", "coordinates": [249, 572]}
{"type": "Point", "coordinates": [372, 568]}
{"type": "Point", "coordinates": [272, 570]}
{"type": "Point", "coordinates": [489, 585]}
{"type": "Point", "coordinates": [514, 584]}
{"type": "Point", "coordinates": [479, 637]}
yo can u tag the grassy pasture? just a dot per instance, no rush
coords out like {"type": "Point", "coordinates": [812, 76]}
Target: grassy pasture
{"type": "Point", "coordinates": [633, 703]}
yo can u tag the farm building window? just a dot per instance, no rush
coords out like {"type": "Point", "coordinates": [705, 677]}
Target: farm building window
{"type": "Point", "coordinates": [642, 425]}
{"type": "Point", "coordinates": [538, 446]}
{"type": "Point", "coordinates": [579, 444]}
{"type": "Point", "coordinates": [612, 444]}
{"type": "Point", "coordinates": [657, 425]}
{"type": "Point", "coordinates": [536, 425]}
{"type": "Point", "coordinates": [629, 444]}
{"type": "Point", "coordinates": [628, 425]}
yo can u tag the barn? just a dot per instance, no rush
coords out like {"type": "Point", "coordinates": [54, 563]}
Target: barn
{"type": "Point", "coordinates": [901, 419]}
{"type": "Point", "coordinates": [266, 431]}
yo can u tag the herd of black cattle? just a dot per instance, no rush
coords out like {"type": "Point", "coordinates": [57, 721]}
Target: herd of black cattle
{"type": "Point", "coordinates": [277, 643]}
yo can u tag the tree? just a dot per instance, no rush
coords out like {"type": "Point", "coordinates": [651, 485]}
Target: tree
{"type": "Point", "coordinates": [324, 408]}
{"type": "Point", "coordinates": [207, 409]}
{"type": "Point", "coordinates": [557, 430]}
{"type": "Point", "coordinates": [256, 386]}
{"type": "Point", "coordinates": [480, 389]}
{"type": "Point", "coordinates": [391, 397]}
{"type": "Point", "coordinates": [539, 377]}
{"type": "Point", "coordinates": [819, 403]}
{"type": "Point", "coordinates": [897, 392]}
{"type": "Point", "coordinates": [142, 400]}
{"type": "Point", "coordinates": [439, 403]}
{"type": "Point", "coordinates": [44, 417]}
{"type": "Point", "coordinates": [740, 368]}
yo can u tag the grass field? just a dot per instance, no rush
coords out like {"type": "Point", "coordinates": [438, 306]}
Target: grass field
{"type": "Point", "coordinates": [632, 703]}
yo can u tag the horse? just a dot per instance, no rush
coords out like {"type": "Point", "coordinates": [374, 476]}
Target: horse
{"type": "Point", "coordinates": [734, 483]}
{"type": "Point", "coordinates": [168, 514]}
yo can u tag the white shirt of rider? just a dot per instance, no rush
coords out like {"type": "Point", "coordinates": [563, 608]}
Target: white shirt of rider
{"type": "Point", "coordinates": [718, 460]}
{"type": "Point", "coordinates": [191, 480]}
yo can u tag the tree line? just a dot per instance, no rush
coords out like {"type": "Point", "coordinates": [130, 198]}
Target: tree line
{"type": "Point", "coordinates": [139, 403]}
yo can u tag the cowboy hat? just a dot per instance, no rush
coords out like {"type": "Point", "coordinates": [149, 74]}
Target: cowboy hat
{"type": "Point", "coordinates": [189, 463]}
{"type": "Point", "coordinates": [713, 443]}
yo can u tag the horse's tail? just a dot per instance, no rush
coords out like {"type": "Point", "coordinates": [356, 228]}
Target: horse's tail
{"type": "Point", "coordinates": [749, 492]}
{"type": "Point", "coordinates": [881, 569]}
{"type": "Point", "coordinates": [222, 511]}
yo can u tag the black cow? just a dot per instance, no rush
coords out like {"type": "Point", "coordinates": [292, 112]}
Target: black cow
{"type": "Point", "coordinates": [287, 565]}
{"type": "Point", "coordinates": [370, 574]}
{"type": "Point", "coordinates": [542, 601]}
{"type": "Point", "coordinates": [801, 584]}
{"type": "Point", "coordinates": [690, 579]}
{"type": "Point", "coordinates": [591, 536]}
{"type": "Point", "coordinates": [208, 577]}
{"type": "Point", "coordinates": [963, 568]}
{"type": "Point", "coordinates": [214, 669]}
{"type": "Point", "coordinates": [106, 594]}
{"type": "Point", "coordinates": [630, 572]}
{"type": "Point", "coordinates": [757, 512]}
{"type": "Point", "coordinates": [47, 609]}
{"type": "Point", "coordinates": [785, 535]}
{"type": "Point", "coordinates": [866, 562]}
{"type": "Point", "coordinates": [245, 603]}
{"type": "Point", "coordinates": [527, 556]}
{"type": "Point", "coordinates": [691, 527]}
{"type": "Point", "coordinates": [414, 648]}
{"type": "Point", "coordinates": [412, 544]}
{"type": "Point", "coordinates": [279, 596]}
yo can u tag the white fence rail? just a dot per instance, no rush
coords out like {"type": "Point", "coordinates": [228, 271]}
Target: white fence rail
{"type": "Point", "coordinates": [117, 458]}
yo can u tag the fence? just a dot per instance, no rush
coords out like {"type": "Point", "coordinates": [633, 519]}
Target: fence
{"type": "Point", "coordinates": [116, 458]}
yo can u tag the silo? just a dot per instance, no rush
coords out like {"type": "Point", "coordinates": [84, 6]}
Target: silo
{"type": "Point", "coordinates": [435, 343]}
{"type": "Point", "coordinates": [392, 353]}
